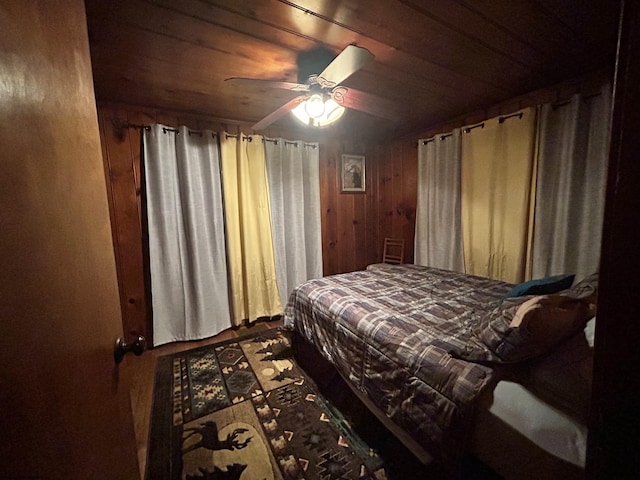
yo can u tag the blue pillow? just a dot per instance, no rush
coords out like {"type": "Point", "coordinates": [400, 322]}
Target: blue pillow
{"type": "Point", "coordinates": [542, 286]}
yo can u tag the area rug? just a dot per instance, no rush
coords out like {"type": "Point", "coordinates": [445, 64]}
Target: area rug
{"type": "Point", "coordinates": [243, 409]}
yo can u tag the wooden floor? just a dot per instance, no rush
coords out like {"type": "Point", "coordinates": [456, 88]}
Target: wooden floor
{"type": "Point", "coordinates": [142, 370]}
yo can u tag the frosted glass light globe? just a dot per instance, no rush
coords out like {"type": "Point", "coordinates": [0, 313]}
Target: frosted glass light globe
{"type": "Point", "coordinates": [332, 112]}
{"type": "Point", "coordinates": [314, 106]}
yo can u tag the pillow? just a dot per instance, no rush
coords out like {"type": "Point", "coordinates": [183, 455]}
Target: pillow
{"type": "Point", "coordinates": [590, 332]}
{"type": "Point", "coordinates": [523, 328]}
{"type": "Point", "coordinates": [495, 340]}
{"type": "Point", "coordinates": [586, 289]}
{"type": "Point", "coordinates": [542, 286]}
{"type": "Point", "coordinates": [546, 320]}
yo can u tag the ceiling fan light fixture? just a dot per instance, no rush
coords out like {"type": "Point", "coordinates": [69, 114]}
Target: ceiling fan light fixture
{"type": "Point", "coordinates": [321, 103]}
{"type": "Point", "coordinates": [331, 112]}
{"type": "Point", "coordinates": [314, 106]}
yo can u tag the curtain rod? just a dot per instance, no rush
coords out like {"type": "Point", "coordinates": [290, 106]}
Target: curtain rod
{"type": "Point", "coordinates": [502, 118]}
{"type": "Point", "coordinates": [122, 125]}
{"type": "Point", "coordinates": [244, 137]}
{"type": "Point", "coordinates": [440, 137]}
{"type": "Point", "coordinates": [288, 142]}
{"type": "Point", "coordinates": [200, 133]}
{"type": "Point", "coordinates": [468, 129]}
{"type": "Point", "coordinates": [567, 102]}
{"type": "Point", "coordinates": [118, 124]}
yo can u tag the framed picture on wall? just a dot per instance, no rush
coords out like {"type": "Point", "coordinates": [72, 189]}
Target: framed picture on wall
{"type": "Point", "coordinates": [352, 173]}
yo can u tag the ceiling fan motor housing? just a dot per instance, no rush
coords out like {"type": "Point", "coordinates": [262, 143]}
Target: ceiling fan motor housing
{"type": "Point", "coordinates": [312, 62]}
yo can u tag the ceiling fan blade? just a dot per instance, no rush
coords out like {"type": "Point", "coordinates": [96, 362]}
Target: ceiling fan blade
{"type": "Point", "coordinates": [280, 112]}
{"type": "Point", "coordinates": [254, 82]}
{"type": "Point", "coordinates": [367, 103]}
{"type": "Point", "coordinates": [350, 60]}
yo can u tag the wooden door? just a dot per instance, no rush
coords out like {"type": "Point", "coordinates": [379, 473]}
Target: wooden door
{"type": "Point", "coordinates": [65, 410]}
{"type": "Point", "coordinates": [614, 427]}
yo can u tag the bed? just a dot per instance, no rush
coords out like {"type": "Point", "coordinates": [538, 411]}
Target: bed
{"type": "Point", "coordinates": [441, 356]}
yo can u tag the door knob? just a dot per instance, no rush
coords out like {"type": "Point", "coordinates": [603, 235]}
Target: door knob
{"type": "Point", "coordinates": [121, 348]}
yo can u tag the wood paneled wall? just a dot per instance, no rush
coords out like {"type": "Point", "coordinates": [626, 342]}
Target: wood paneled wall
{"type": "Point", "coordinates": [353, 224]}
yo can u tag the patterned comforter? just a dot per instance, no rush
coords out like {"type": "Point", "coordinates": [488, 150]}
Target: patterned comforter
{"type": "Point", "coordinates": [389, 332]}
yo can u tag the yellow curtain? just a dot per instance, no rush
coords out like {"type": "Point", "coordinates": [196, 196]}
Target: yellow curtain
{"type": "Point", "coordinates": [254, 289]}
{"type": "Point", "coordinates": [497, 166]}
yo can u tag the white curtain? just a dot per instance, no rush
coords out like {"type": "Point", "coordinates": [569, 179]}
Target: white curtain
{"type": "Point", "coordinates": [294, 194]}
{"type": "Point", "coordinates": [438, 239]}
{"type": "Point", "coordinates": [570, 191]}
{"type": "Point", "coordinates": [186, 234]}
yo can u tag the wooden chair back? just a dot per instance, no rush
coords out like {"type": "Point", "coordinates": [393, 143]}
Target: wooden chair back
{"type": "Point", "coordinates": [393, 251]}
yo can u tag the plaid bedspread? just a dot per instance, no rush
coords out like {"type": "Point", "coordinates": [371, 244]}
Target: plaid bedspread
{"type": "Point", "coordinates": [389, 332]}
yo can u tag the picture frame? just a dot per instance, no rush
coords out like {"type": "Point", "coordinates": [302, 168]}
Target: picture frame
{"type": "Point", "coordinates": [352, 174]}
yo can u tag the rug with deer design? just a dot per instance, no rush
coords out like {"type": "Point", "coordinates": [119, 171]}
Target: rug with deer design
{"type": "Point", "coordinates": [243, 410]}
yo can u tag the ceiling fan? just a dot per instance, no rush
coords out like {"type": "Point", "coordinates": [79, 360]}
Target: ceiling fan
{"type": "Point", "coordinates": [322, 99]}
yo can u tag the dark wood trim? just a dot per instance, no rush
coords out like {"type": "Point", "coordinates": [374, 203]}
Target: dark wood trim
{"type": "Point", "coordinates": [614, 428]}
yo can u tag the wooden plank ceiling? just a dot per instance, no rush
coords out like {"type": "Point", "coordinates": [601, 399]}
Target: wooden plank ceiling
{"type": "Point", "coordinates": [434, 59]}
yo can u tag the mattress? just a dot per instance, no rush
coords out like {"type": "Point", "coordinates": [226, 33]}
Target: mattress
{"type": "Point", "coordinates": [516, 418]}
{"type": "Point", "coordinates": [524, 438]}
{"type": "Point", "coordinates": [546, 426]}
